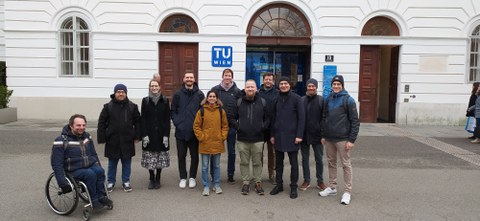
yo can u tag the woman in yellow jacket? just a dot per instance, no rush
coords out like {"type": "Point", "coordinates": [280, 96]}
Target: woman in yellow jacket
{"type": "Point", "coordinates": [211, 129]}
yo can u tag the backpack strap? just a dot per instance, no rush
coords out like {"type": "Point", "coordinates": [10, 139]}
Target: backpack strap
{"type": "Point", "coordinates": [202, 112]}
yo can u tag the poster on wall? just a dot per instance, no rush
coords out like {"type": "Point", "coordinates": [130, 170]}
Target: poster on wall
{"type": "Point", "coordinates": [329, 71]}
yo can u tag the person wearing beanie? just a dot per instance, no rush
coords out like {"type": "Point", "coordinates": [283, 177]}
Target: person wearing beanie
{"type": "Point", "coordinates": [288, 124]}
{"type": "Point", "coordinates": [119, 128]}
{"type": "Point", "coordinates": [340, 126]}
{"type": "Point", "coordinates": [313, 104]}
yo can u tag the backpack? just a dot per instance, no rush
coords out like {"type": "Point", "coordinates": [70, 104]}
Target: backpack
{"type": "Point", "coordinates": [345, 105]}
{"type": "Point", "coordinates": [202, 112]}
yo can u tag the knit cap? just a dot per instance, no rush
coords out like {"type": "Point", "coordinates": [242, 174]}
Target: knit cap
{"type": "Point", "coordinates": [120, 87]}
{"type": "Point", "coordinates": [312, 81]}
{"type": "Point", "coordinates": [338, 78]}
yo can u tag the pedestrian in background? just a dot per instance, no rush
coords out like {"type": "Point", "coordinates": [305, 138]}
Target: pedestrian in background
{"type": "Point", "coordinates": [155, 133]}
{"type": "Point", "coordinates": [119, 128]}
{"type": "Point", "coordinates": [471, 103]}
{"type": "Point", "coordinates": [340, 129]}
{"type": "Point", "coordinates": [211, 128]}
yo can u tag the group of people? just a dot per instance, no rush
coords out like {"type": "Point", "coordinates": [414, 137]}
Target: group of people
{"type": "Point", "coordinates": [248, 120]}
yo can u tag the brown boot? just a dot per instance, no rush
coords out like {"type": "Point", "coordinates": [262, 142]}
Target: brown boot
{"type": "Point", "coordinates": [476, 141]}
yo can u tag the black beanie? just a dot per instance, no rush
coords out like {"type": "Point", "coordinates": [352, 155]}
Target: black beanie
{"type": "Point", "coordinates": [287, 79]}
{"type": "Point", "coordinates": [120, 87]}
{"type": "Point", "coordinates": [338, 78]}
{"type": "Point", "coordinates": [312, 81]}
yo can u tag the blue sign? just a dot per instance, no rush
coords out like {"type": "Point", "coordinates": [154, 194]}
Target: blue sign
{"type": "Point", "coordinates": [222, 56]}
{"type": "Point", "coordinates": [329, 71]}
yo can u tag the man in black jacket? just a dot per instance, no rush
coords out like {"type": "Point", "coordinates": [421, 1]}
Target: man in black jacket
{"type": "Point", "coordinates": [228, 93]}
{"type": "Point", "coordinates": [287, 134]}
{"type": "Point", "coordinates": [185, 104]}
{"type": "Point", "coordinates": [313, 104]}
{"type": "Point", "coordinates": [269, 92]}
{"type": "Point", "coordinates": [119, 128]}
{"type": "Point", "coordinates": [252, 120]}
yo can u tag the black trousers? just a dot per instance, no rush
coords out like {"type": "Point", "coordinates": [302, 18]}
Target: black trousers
{"type": "Point", "coordinates": [182, 147]}
{"type": "Point", "coordinates": [293, 158]}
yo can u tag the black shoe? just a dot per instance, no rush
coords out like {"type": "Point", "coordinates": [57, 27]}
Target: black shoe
{"type": "Point", "coordinates": [156, 184]}
{"type": "Point", "coordinates": [97, 205]}
{"type": "Point", "coordinates": [231, 180]}
{"type": "Point", "coordinates": [471, 138]}
{"type": "Point", "coordinates": [105, 201]}
{"type": "Point", "coordinates": [277, 189]}
{"type": "Point", "coordinates": [293, 193]}
{"type": "Point", "coordinates": [151, 185]}
{"type": "Point", "coordinates": [245, 189]}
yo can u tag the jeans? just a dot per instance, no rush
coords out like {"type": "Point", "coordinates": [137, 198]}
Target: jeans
{"type": "Point", "coordinates": [182, 147]}
{"type": "Point", "coordinates": [253, 152]}
{"type": "Point", "coordinates": [112, 169]}
{"type": "Point", "coordinates": [215, 159]}
{"type": "Point", "coordinates": [318, 153]}
{"type": "Point", "coordinates": [94, 178]}
{"type": "Point", "coordinates": [293, 157]}
{"type": "Point", "coordinates": [231, 138]}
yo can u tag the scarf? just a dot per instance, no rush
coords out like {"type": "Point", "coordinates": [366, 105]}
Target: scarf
{"type": "Point", "coordinates": [155, 97]}
{"type": "Point", "coordinates": [224, 86]}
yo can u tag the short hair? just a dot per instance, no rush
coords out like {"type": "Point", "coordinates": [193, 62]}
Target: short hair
{"type": "Point", "coordinates": [251, 80]}
{"type": "Point", "coordinates": [268, 74]}
{"type": "Point", "coordinates": [227, 69]}
{"type": "Point", "coordinates": [153, 80]}
{"type": "Point", "coordinates": [214, 92]}
{"type": "Point", "coordinates": [73, 117]}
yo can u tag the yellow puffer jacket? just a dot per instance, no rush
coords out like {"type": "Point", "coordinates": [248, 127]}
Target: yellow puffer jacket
{"type": "Point", "coordinates": [211, 135]}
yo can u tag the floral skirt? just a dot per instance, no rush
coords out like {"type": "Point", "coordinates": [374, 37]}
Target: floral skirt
{"type": "Point", "coordinates": [155, 160]}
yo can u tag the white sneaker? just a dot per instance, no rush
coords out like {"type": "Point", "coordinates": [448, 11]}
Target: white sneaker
{"type": "Point", "coordinates": [183, 183]}
{"type": "Point", "coordinates": [346, 198]}
{"type": "Point", "coordinates": [217, 190]}
{"type": "Point", "coordinates": [328, 192]}
{"type": "Point", "coordinates": [192, 183]}
{"type": "Point", "coordinates": [206, 191]}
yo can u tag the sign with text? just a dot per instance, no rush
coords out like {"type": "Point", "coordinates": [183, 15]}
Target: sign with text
{"type": "Point", "coordinates": [222, 56]}
{"type": "Point", "coordinates": [328, 58]}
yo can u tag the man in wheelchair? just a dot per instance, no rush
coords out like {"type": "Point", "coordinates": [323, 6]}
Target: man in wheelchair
{"type": "Point", "coordinates": [74, 152]}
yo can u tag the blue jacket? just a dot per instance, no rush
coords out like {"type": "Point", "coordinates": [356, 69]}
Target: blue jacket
{"type": "Point", "coordinates": [340, 124]}
{"type": "Point", "coordinates": [185, 105]}
{"type": "Point", "coordinates": [77, 152]}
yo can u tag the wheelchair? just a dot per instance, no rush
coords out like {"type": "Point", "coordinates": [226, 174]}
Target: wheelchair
{"type": "Point", "coordinates": [65, 203]}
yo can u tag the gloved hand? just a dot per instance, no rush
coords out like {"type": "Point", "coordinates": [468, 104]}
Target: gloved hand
{"type": "Point", "coordinates": [66, 189]}
{"type": "Point", "coordinates": [165, 141]}
{"type": "Point", "coordinates": [145, 141]}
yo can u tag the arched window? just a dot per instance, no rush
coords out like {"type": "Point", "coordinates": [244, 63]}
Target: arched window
{"type": "Point", "coordinates": [75, 47]}
{"type": "Point", "coordinates": [474, 55]}
{"type": "Point", "coordinates": [179, 23]}
{"type": "Point", "coordinates": [279, 23]}
{"type": "Point", "coordinates": [380, 26]}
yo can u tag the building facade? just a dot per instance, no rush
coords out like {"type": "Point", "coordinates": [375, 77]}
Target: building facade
{"type": "Point", "coordinates": [405, 62]}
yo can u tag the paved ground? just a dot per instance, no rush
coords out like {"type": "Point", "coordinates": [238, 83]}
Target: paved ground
{"type": "Point", "coordinates": [400, 173]}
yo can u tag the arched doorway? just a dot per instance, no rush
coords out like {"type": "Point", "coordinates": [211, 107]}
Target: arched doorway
{"type": "Point", "coordinates": [378, 74]}
{"type": "Point", "coordinates": [177, 58]}
{"type": "Point", "coordinates": [279, 42]}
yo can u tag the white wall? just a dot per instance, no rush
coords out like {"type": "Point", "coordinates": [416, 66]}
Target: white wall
{"type": "Point", "coordinates": [433, 54]}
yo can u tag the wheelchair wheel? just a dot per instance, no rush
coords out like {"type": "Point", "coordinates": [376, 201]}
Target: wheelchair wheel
{"type": "Point", "coordinates": [82, 193]}
{"type": "Point", "coordinates": [62, 204]}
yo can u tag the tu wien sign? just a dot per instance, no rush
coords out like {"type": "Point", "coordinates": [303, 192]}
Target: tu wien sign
{"type": "Point", "coordinates": [222, 56]}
